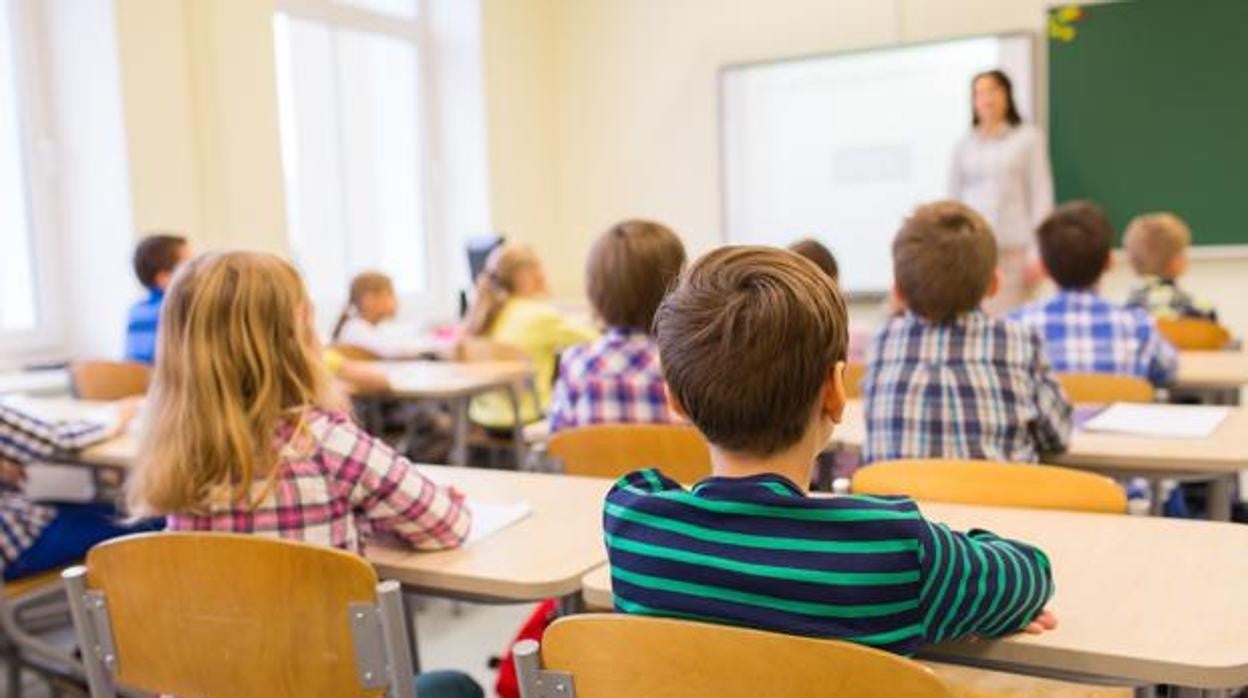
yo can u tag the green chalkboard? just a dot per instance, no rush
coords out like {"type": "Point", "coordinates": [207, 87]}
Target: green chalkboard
{"type": "Point", "coordinates": [1148, 110]}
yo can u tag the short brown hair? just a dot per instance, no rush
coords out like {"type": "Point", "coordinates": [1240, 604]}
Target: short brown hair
{"type": "Point", "coordinates": [631, 266]}
{"type": "Point", "coordinates": [747, 339]}
{"type": "Point", "coordinates": [1075, 243]}
{"type": "Point", "coordinates": [154, 254]}
{"type": "Point", "coordinates": [943, 259]}
{"type": "Point", "coordinates": [1154, 240]}
{"type": "Point", "coordinates": [816, 252]}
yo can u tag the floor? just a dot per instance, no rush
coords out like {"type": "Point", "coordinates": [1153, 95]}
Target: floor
{"type": "Point", "coordinates": [452, 636]}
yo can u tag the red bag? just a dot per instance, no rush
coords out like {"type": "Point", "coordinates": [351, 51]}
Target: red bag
{"type": "Point", "coordinates": [507, 686]}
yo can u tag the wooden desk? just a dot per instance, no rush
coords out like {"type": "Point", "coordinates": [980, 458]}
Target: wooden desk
{"type": "Point", "coordinates": [1138, 598]}
{"type": "Point", "coordinates": [1217, 459]}
{"type": "Point", "coordinates": [542, 556]}
{"type": "Point", "coordinates": [1218, 371]}
{"type": "Point", "coordinates": [457, 383]}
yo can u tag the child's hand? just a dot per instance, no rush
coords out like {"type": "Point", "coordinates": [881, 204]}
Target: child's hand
{"type": "Point", "coordinates": [1043, 622]}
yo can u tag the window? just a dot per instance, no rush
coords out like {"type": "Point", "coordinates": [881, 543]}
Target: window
{"type": "Point", "coordinates": [18, 308]}
{"type": "Point", "coordinates": [353, 128]}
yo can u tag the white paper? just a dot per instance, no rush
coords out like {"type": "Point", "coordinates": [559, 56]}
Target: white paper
{"type": "Point", "coordinates": [62, 409]}
{"type": "Point", "coordinates": [1164, 421]}
{"type": "Point", "coordinates": [489, 518]}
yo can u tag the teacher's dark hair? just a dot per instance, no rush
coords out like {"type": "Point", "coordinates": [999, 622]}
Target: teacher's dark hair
{"type": "Point", "coordinates": [1011, 110]}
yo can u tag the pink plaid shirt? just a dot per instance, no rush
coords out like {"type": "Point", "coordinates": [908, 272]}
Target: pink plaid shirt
{"type": "Point", "coordinates": [337, 486]}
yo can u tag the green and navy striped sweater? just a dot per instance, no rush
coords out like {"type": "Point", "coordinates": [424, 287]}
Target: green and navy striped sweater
{"type": "Point", "coordinates": [758, 552]}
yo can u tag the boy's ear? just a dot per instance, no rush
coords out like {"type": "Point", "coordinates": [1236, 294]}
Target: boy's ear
{"type": "Point", "coordinates": [897, 301]}
{"type": "Point", "coordinates": [834, 393]}
{"type": "Point", "coordinates": [162, 279]}
{"type": "Point", "coordinates": [994, 283]}
{"type": "Point", "coordinates": [1177, 266]}
{"type": "Point", "coordinates": [674, 403]}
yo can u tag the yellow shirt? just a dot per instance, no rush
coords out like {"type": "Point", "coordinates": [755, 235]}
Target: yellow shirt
{"type": "Point", "coordinates": [542, 332]}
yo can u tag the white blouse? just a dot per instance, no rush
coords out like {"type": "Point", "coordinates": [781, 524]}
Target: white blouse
{"type": "Point", "coordinates": [1007, 179]}
{"type": "Point", "coordinates": [388, 340]}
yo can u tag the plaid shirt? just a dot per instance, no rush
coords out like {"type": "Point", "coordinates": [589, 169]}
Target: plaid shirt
{"type": "Point", "coordinates": [617, 379]}
{"type": "Point", "coordinates": [1084, 333]}
{"type": "Point", "coordinates": [26, 437]}
{"type": "Point", "coordinates": [1163, 298]}
{"type": "Point", "coordinates": [976, 387]}
{"type": "Point", "coordinates": [336, 486]}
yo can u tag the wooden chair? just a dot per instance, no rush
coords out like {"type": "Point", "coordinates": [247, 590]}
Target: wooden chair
{"type": "Point", "coordinates": [621, 656]}
{"type": "Point", "coordinates": [993, 484]}
{"type": "Point", "coordinates": [25, 644]}
{"type": "Point", "coordinates": [1194, 334]}
{"type": "Point", "coordinates": [222, 615]}
{"type": "Point", "coordinates": [854, 373]}
{"type": "Point", "coordinates": [1084, 388]}
{"type": "Point", "coordinates": [108, 380]}
{"type": "Point", "coordinates": [352, 352]}
{"type": "Point", "coordinates": [611, 450]}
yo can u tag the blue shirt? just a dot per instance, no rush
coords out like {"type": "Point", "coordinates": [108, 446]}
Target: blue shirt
{"type": "Point", "coordinates": [141, 328]}
{"type": "Point", "coordinates": [756, 551]}
{"type": "Point", "coordinates": [1084, 333]}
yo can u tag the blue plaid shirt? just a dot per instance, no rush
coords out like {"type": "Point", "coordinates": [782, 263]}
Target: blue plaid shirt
{"type": "Point", "coordinates": [1084, 333]}
{"type": "Point", "coordinates": [975, 387]}
{"type": "Point", "coordinates": [615, 380]}
{"type": "Point", "coordinates": [141, 328]}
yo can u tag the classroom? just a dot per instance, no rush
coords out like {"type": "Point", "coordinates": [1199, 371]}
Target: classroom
{"type": "Point", "coordinates": [617, 348]}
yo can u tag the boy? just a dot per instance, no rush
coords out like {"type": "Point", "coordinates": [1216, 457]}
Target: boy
{"type": "Point", "coordinates": [1156, 244]}
{"type": "Point", "coordinates": [943, 378]}
{"type": "Point", "coordinates": [155, 258]}
{"type": "Point", "coordinates": [1082, 332]}
{"type": "Point", "coordinates": [753, 347]}
{"type": "Point", "coordinates": [617, 378]}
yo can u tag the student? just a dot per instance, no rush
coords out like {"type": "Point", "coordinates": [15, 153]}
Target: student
{"type": "Point", "coordinates": [816, 252]}
{"type": "Point", "coordinates": [508, 309]}
{"type": "Point", "coordinates": [40, 536]}
{"type": "Point", "coordinates": [1156, 245]}
{"type": "Point", "coordinates": [245, 435]}
{"type": "Point", "coordinates": [944, 379]}
{"type": "Point", "coordinates": [753, 347]}
{"type": "Point", "coordinates": [617, 379]}
{"type": "Point", "coordinates": [155, 258]}
{"type": "Point", "coordinates": [371, 303]}
{"type": "Point", "coordinates": [1082, 332]}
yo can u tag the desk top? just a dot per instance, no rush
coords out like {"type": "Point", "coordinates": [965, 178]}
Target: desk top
{"type": "Point", "coordinates": [1212, 369]}
{"type": "Point", "coordinates": [543, 555]}
{"type": "Point", "coordinates": [439, 380]}
{"type": "Point", "coordinates": [41, 382]}
{"type": "Point", "coordinates": [1224, 452]}
{"type": "Point", "coordinates": [1149, 599]}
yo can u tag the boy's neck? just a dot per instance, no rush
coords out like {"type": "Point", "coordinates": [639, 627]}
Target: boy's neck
{"type": "Point", "coordinates": [794, 464]}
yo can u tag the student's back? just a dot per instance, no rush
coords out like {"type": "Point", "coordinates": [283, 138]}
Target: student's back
{"type": "Point", "coordinates": [1083, 332]}
{"type": "Point", "coordinates": [753, 346]}
{"type": "Point", "coordinates": [945, 380]}
{"type": "Point", "coordinates": [155, 258]}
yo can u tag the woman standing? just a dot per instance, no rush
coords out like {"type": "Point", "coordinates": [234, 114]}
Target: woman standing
{"type": "Point", "coordinates": [1001, 169]}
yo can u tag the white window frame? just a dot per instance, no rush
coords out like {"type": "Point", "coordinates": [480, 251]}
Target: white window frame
{"type": "Point", "coordinates": [47, 342]}
{"type": "Point", "coordinates": [440, 290]}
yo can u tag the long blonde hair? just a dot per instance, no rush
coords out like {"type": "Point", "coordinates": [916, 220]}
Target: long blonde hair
{"type": "Point", "coordinates": [363, 284]}
{"type": "Point", "coordinates": [237, 358]}
{"type": "Point", "coordinates": [496, 284]}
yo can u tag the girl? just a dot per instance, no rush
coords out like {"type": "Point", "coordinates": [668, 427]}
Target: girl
{"type": "Point", "coordinates": [508, 310]}
{"type": "Point", "coordinates": [245, 434]}
{"type": "Point", "coordinates": [371, 303]}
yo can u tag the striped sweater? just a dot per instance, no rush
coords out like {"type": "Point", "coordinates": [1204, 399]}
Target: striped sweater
{"type": "Point", "coordinates": [758, 552]}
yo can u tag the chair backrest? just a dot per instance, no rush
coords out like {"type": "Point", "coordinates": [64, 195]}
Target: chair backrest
{"type": "Point", "coordinates": [1084, 388]}
{"type": "Point", "coordinates": [352, 352]}
{"type": "Point", "coordinates": [991, 483]}
{"type": "Point", "coordinates": [470, 349]}
{"type": "Point", "coordinates": [223, 615]}
{"type": "Point", "coordinates": [108, 380]}
{"type": "Point", "coordinates": [622, 656]}
{"type": "Point", "coordinates": [611, 450]}
{"type": "Point", "coordinates": [854, 372]}
{"type": "Point", "coordinates": [1194, 334]}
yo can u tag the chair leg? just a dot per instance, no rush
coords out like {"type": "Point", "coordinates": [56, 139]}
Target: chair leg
{"type": "Point", "coordinates": [13, 676]}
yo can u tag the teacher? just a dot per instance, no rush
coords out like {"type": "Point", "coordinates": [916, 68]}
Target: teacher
{"type": "Point", "coordinates": [1001, 169]}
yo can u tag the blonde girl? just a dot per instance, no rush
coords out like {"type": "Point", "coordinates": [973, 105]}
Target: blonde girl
{"type": "Point", "coordinates": [364, 322]}
{"type": "Point", "coordinates": [508, 309]}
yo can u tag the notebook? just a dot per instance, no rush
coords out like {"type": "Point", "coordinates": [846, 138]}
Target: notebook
{"type": "Point", "coordinates": [1164, 421]}
{"type": "Point", "coordinates": [489, 518]}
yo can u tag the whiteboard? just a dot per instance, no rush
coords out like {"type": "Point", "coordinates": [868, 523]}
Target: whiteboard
{"type": "Point", "coordinates": [842, 147]}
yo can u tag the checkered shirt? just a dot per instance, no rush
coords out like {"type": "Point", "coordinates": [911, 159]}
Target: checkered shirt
{"type": "Point", "coordinates": [337, 486]}
{"type": "Point", "coordinates": [1163, 298]}
{"type": "Point", "coordinates": [975, 387]}
{"type": "Point", "coordinates": [616, 379]}
{"type": "Point", "coordinates": [1084, 333]}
